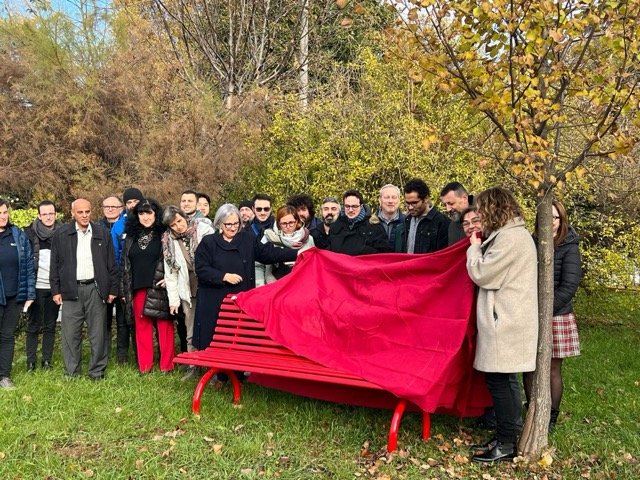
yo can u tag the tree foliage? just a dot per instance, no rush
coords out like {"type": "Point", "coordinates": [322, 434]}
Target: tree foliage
{"type": "Point", "coordinates": [381, 132]}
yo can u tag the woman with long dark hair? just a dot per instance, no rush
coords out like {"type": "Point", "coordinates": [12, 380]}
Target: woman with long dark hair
{"type": "Point", "coordinates": [502, 262]}
{"type": "Point", "coordinates": [567, 273]}
{"type": "Point", "coordinates": [147, 304]}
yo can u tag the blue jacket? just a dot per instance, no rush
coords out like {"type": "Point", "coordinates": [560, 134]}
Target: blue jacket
{"type": "Point", "coordinates": [117, 232]}
{"type": "Point", "coordinates": [26, 273]}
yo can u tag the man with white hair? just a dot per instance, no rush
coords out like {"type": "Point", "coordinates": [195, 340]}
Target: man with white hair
{"type": "Point", "coordinates": [389, 212]}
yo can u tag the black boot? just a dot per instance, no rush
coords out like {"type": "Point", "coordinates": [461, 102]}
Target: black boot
{"type": "Point", "coordinates": [31, 367]}
{"type": "Point", "coordinates": [502, 452]}
{"type": "Point", "coordinates": [553, 419]}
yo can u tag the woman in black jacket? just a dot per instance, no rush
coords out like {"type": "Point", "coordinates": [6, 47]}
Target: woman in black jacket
{"type": "Point", "coordinates": [143, 285]}
{"type": "Point", "coordinates": [567, 273]}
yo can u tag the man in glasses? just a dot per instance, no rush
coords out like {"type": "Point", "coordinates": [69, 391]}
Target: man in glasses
{"type": "Point", "coordinates": [124, 333]}
{"type": "Point", "coordinates": [111, 211]}
{"type": "Point", "coordinates": [356, 232]}
{"type": "Point", "coordinates": [456, 200]}
{"type": "Point", "coordinates": [262, 221]}
{"type": "Point", "coordinates": [425, 229]}
{"type": "Point", "coordinates": [44, 312]}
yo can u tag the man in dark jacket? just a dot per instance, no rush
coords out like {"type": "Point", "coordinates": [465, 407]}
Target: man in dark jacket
{"type": "Point", "coordinates": [44, 312]}
{"type": "Point", "coordinates": [425, 229]}
{"type": "Point", "coordinates": [456, 200]}
{"type": "Point", "coordinates": [17, 288]}
{"type": "Point", "coordinates": [84, 277]}
{"type": "Point", "coordinates": [114, 214]}
{"type": "Point", "coordinates": [304, 206]}
{"type": "Point", "coordinates": [389, 212]}
{"type": "Point", "coordinates": [356, 232]}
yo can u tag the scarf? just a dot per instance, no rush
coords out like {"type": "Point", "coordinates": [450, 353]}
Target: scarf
{"type": "Point", "coordinates": [169, 239]}
{"type": "Point", "coordinates": [296, 240]}
{"type": "Point", "coordinates": [42, 232]}
{"type": "Point", "coordinates": [351, 222]}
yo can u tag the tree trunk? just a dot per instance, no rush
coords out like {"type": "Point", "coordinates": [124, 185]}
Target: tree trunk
{"type": "Point", "coordinates": [303, 58]}
{"type": "Point", "coordinates": [536, 427]}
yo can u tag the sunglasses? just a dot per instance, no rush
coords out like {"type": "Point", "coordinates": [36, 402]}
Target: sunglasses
{"type": "Point", "coordinates": [263, 209]}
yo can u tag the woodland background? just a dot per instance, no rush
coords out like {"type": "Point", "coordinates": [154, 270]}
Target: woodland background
{"type": "Point", "coordinates": [276, 96]}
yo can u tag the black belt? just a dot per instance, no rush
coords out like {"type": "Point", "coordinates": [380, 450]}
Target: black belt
{"type": "Point", "coordinates": [86, 282]}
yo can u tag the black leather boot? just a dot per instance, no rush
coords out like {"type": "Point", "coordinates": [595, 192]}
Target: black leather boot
{"type": "Point", "coordinates": [501, 452]}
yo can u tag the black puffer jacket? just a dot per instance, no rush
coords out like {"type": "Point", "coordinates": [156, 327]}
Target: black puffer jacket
{"type": "Point", "coordinates": [364, 237]}
{"type": "Point", "coordinates": [567, 273]}
{"type": "Point", "coordinates": [157, 303]}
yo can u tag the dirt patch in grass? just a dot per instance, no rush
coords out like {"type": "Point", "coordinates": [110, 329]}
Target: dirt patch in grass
{"type": "Point", "coordinates": [79, 450]}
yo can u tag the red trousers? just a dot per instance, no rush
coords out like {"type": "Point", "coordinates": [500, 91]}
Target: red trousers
{"type": "Point", "coordinates": [144, 336]}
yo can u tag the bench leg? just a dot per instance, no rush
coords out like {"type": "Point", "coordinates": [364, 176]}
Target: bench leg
{"type": "Point", "coordinates": [426, 425]}
{"type": "Point", "coordinates": [237, 387]}
{"type": "Point", "coordinates": [392, 443]}
{"type": "Point", "coordinates": [197, 394]}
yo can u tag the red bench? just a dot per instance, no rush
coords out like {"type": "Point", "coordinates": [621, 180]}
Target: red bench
{"type": "Point", "coordinates": [241, 343]}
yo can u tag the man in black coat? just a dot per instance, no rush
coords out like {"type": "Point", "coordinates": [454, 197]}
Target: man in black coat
{"type": "Point", "coordinates": [425, 229]}
{"type": "Point", "coordinates": [356, 232]}
{"type": "Point", "coordinates": [83, 276]}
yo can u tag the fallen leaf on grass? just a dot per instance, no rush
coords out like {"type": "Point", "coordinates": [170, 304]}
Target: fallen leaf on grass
{"type": "Point", "coordinates": [208, 439]}
{"type": "Point", "coordinates": [118, 409]}
{"type": "Point", "coordinates": [364, 451]}
{"type": "Point", "coordinates": [487, 476]}
{"type": "Point", "coordinates": [461, 459]}
{"type": "Point", "coordinates": [2, 455]}
{"type": "Point", "coordinates": [431, 462]}
{"type": "Point", "coordinates": [217, 449]}
{"type": "Point", "coordinates": [26, 398]}
{"type": "Point", "coordinates": [143, 449]}
{"type": "Point", "coordinates": [139, 464]}
{"type": "Point", "coordinates": [403, 453]}
{"type": "Point", "coordinates": [546, 460]}
{"type": "Point", "coordinates": [157, 438]}
{"type": "Point", "coordinates": [88, 473]}
{"type": "Point", "coordinates": [237, 406]}
{"type": "Point", "coordinates": [174, 433]}
{"type": "Point", "coordinates": [237, 428]}
{"type": "Point", "coordinates": [246, 471]}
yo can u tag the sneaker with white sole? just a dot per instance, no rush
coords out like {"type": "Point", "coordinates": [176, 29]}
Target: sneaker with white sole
{"type": "Point", "coordinates": [6, 384]}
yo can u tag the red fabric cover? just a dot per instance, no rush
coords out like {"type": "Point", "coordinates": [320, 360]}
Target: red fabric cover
{"type": "Point", "coordinates": [404, 322]}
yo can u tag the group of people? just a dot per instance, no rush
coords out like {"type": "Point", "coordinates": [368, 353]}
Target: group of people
{"type": "Point", "coordinates": [156, 267]}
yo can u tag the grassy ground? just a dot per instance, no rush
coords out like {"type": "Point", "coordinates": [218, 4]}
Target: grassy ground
{"type": "Point", "coordinates": [132, 426]}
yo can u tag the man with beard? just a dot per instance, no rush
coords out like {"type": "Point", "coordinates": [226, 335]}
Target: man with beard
{"type": "Point", "coordinates": [304, 207]}
{"type": "Point", "coordinates": [246, 214]}
{"type": "Point", "coordinates": [456, 200]}
{"type": "Point", "coordinates": [425, 228]}
{"type": "Point", "coordinates": [329, 210]}
{"type": "Point", "coordinates": [44, 312]}
{"type": "Point", "coordinates": [262, 221]}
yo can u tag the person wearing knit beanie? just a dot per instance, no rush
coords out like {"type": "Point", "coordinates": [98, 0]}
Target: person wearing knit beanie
{"type": "Point", "coordinates": [131, 197]}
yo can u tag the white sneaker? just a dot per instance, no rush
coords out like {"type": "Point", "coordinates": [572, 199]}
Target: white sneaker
{"type": "Point", "coordinates": [6, 384]}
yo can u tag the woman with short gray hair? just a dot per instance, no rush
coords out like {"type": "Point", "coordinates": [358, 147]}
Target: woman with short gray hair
{"type": "Point", "coordinates": [225, 264]}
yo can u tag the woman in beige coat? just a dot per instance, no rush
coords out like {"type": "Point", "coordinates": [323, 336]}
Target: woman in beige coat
{"type": "Point", "coordinates": [504, 266]}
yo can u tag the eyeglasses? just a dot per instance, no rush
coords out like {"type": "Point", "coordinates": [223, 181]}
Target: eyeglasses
{"type": "Point", "coordinates": [288, 224]}
{"type": "Point", "coordinates": [111, 207]}
{"type": "Point", "coordinates": [473, 221]}
{"type": "Point", "coordinates": [351, 207]}
{"type": "Point", "coordinates": [231, 225]}
{"type": "Point", "coordinates": [263, 209]}
{"type": "Point", "coordinates": [47, 214]}
{"type": "Point", "coordinates": [412, 204]}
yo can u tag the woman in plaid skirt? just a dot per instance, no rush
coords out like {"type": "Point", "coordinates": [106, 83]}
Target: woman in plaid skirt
{"type": "Point", "coordinates": [567, 273]}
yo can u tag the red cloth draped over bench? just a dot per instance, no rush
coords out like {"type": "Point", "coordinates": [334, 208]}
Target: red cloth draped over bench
{"type": "Point", "coordinates": [404, 322]}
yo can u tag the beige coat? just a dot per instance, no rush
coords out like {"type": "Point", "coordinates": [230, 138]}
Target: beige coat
{"type": "Point", "coordinates": [505, 268]}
